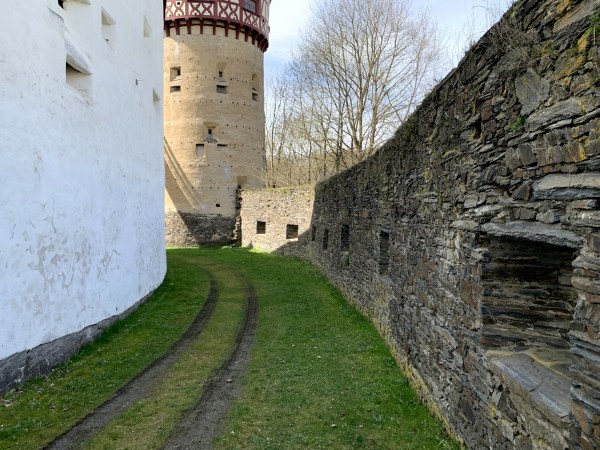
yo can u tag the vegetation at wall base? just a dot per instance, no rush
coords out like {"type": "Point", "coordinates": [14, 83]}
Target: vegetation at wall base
{"type": "Point", "coordinates": [42, 409]}
{"type": "Point", "coordinates": [320, 375]}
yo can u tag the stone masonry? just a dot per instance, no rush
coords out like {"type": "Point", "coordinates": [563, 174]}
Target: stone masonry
{"type": "Point", "coordinates": [472, 238]}
{"type": "Point", "coordinates": [272, 218]}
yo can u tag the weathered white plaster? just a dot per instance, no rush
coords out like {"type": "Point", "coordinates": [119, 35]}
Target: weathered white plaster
{"type": "Point", "coordinates": [81, 203]}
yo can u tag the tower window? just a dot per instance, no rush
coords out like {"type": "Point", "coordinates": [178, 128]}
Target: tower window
{"type": "Point", "coordinates": [108, 29]}
{"type": "Point", "coordinates": [220, 74]}
{"type": "Point", "coordinates": [325, 239]}
{"type": "Point", "coordinates": [221, 89]}
{"type": "Point", "coordinates": [254, 95]}
{"type": "Point", "coordinates": [175, 73]}
{"type": "Point", "coordinates": [250, 5]}
{"type": "Point", "coordinates": [313, 233]}
{"type": "Point", "coordinates": [79, 81]}
{"type": "Point", "coordinates": [200, 151]}
{"type": "Point", "coordinates": [175, 88]}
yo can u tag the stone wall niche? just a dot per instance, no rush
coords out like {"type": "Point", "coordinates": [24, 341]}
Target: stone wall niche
{"type": "Point", "coordinates": [527, 309]}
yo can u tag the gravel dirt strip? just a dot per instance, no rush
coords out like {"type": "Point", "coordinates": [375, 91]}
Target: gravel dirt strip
{"type": "Point", "coordinates": [139, 387]}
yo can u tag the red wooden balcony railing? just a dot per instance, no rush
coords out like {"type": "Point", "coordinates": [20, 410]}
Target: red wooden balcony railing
{"type": "Point", "coordinates": [243, 17]}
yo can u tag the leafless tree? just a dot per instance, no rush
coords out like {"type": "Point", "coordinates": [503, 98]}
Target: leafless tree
{"type": "Point", "coordinates": [361, 68]}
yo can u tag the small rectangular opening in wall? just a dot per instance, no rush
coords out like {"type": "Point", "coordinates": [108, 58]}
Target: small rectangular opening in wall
{"type": "Point", "coordinates": [108, 29]}
{"type": "Point", "coordinates": [345, 238]}
{"type": "Point", "coordinates": [175, 89]}
{"type": "Point", "coordinates": [313, 233]}
{"type": "Point", "coordinates": [200, 151]}
{"type": "Point", "coordinates": [261, 227]}
{"type": "Point", "coordinates": [221, 89]}
{"type": "Point", "coordinates": [291, 231]}
{"type": "Point", "coordinates": [254, 95]}
{"type": "Point", "coordinates": [384, 252]}
{"type": "Point", "coordinates": [147, 28]}
{"type": "Point", "coordinates": [175, 73]}
{"type": "Point", "coordinates": [325, 239]}
{"type": "Point", "coordinates": [79, 81]}
{"type": "Point", "coordinates": [218, 205]}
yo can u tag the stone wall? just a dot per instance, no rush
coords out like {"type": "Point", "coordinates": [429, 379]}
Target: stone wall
{"type": "Point", "coordinates": [276, 218]}
{"type": "Point", "coordinates": [472, 238]}
{"type": "Point", "coordinates": [196, 230]}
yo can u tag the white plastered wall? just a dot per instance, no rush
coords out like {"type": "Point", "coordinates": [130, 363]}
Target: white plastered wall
{"type": "Point", "coordinates": [81, 165]}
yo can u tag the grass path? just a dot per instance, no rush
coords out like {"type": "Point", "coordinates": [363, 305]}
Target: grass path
{"type": "Point", "coordinates": [320, 376]}
{"type": "Point", "coordinates": [45, 408]}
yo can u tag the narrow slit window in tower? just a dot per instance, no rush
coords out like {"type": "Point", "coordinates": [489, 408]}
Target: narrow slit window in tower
{"type": "Point", "coordinates": [79, 81]}
{"type": "Point", "coordinates": [175, 73]}
{"type": "Point", "coordinates": [175, 88]}
{"type": "Point", "coordinates": [108, 28]}
{"type": "Point", "coordinates": [313, 233]}
{"type": "Point", "coordinates": [200, 151]}
{"type": "Point", "coordinates": [325, 239]}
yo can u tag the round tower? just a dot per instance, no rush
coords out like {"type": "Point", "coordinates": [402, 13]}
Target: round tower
{"type": "Point", "coordinates": [214, 113]}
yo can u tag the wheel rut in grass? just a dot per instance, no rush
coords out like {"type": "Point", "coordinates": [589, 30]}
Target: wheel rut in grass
{"type": "Point", "coordinates": [140, 386]}
{"type": "Point", "coordinates": [200, 426]}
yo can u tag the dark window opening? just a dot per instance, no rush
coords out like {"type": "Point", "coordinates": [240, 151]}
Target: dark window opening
{"type": "Point", "coordinates": [345, 238]}
{"type": "Point", "coordinates": [261, 227]}
{"type": "Point", "coordinates": [220, 74]}
{"type": "Point", "coordinates": [175, 73]}
{"type": "Point", "coordinates": [200, 151]}
{"type": "Point", "coordinates": [175, 89]}
{"type": "Point", "coordinates": [221, 89]}
{"type": "Point", "coordinates": [250, 5]}
{"type": "Point", "coordinates": [528, 299]}
{"type": "Point", "coordinates": [478, 130]}
{"type": "Point", "coordinates": [325, 239]}
{"type": "Point", "coordinates": [384, 253]}
{"type": "Point", "coordinates": [291, 231]}
{"type": "Point", "coordinates": [527, 311]}
{"type": "Point", "coordinates": [313, 233]}
{"type": "Point", "coordinates": [254, 95]}
{"type": "Point", "coordinates": [218, 205]}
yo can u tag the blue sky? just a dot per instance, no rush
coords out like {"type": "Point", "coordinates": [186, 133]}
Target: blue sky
{"type": "Point", "coordinates": [452, 16]}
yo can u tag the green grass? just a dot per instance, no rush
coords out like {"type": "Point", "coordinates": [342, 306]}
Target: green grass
{"type": "Point", "coordinates": [47, 407]}
{"type": "Point", "coordinates": [320, 376]}
{"type": "Point", "coordinates": [150, 422]}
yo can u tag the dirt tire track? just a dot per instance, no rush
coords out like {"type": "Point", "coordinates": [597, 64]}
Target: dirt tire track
{"type": "Point", "coordinates": [201, 425]}
{"type": "Point", "coordinates": [139, 387]}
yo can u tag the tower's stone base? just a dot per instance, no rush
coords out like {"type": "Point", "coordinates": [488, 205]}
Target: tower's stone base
{"type": "Point", "coordinates": [194, 230]}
